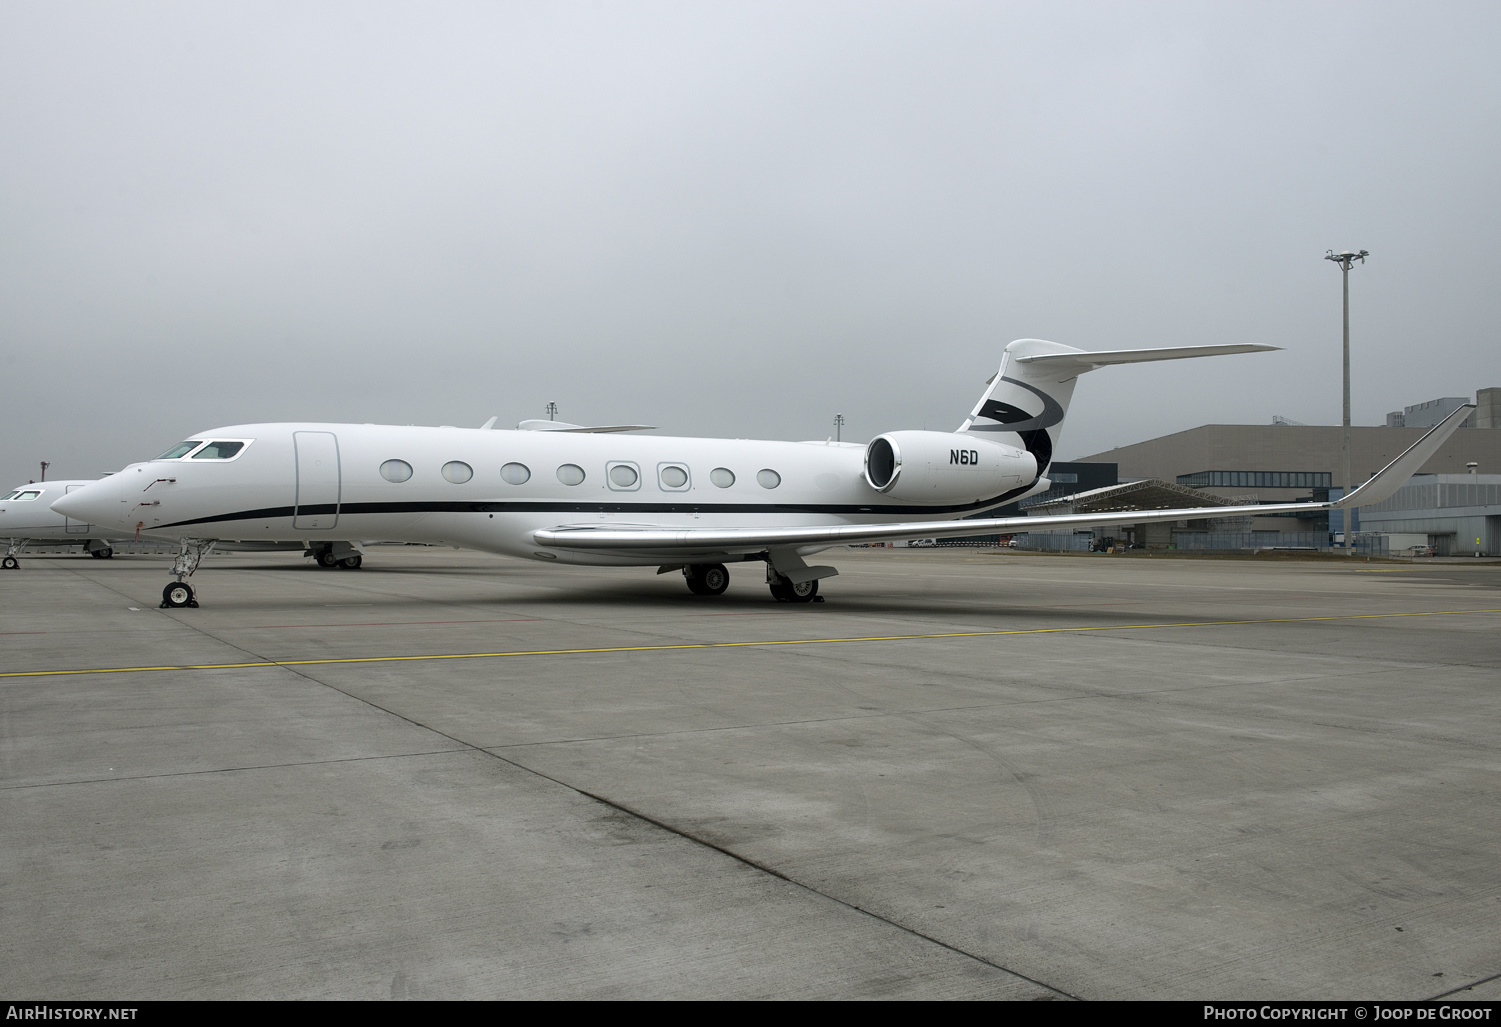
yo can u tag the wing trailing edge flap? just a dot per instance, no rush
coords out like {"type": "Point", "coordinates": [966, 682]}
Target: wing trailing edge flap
{"type": "Point", "coordinates": [679, 541]}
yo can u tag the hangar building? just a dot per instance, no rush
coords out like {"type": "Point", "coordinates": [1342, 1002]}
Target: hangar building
{"type": "Point", "coordinates": [1282, 462]}
{"type": "Point", "coordinates": [1460, 513]}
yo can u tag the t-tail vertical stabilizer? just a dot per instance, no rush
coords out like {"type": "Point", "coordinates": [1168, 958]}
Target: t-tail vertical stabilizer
{"type": "Point", "coordinates": [1029, 395]}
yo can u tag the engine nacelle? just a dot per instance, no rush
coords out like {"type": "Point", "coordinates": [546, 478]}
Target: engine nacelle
{"type": "Point", "coordinates": [941, 467]}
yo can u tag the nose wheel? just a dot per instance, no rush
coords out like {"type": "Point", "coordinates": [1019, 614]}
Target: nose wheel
{"type": "Point", "coordinates": [177, 596]}
{"type": "Point", "coordinates": [12, 551]}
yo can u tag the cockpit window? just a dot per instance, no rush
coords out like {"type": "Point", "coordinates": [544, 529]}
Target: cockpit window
{"type": "Point", "coordinates": [218, 450]}
{"type": "Point", "coordinates": [10, 495]}
{"type": "Point", "coordinates": [180, 450]}
{"type": "Point", "coordinates": [25, 494]}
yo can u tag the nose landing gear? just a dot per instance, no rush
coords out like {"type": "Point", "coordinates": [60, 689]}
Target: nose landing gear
{"type": "Point", "coordinates": [179, 594]}
{"type": "Point", "coordinates": [17, 545]}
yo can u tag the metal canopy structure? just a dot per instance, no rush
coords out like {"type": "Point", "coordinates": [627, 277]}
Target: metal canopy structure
{"type": "Point", "coordinates": [1146, 495]}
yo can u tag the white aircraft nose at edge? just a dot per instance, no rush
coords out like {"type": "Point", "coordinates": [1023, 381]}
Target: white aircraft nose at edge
{"type": "Point", "coordinates": [567, 494]}
{"type": "Point", "coordinates": [26, 516]}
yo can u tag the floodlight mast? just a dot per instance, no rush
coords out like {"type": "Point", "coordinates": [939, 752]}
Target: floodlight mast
{"type": "Point", "coordinates": [1344, 259]}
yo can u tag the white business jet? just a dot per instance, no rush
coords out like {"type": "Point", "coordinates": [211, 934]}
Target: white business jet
{"type": "Point", "coordinates": [568, 494]}
{"type": "Point", "coordinates": [26, 516]}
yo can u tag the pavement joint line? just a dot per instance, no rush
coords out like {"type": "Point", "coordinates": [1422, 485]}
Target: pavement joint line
{"type": "Point", "coordinates": [734, 645]}
{"type": "Point", "coordinates": [464, 749]}
{"type": "Point", "coordinates": [771, 871]}
{"type": "Point", "coordinates": [1463, 987]}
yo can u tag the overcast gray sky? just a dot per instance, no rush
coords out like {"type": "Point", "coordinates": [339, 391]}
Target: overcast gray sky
{"type": "Point", "coordinates": [730, 218]}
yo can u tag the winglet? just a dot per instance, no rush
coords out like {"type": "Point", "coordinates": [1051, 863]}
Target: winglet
{"type": "Point", "coordinates": [1385, 482]}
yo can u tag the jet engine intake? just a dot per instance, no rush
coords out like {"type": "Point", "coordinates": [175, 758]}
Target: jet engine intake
{"type": "Point", "coordinates": [940, 467]}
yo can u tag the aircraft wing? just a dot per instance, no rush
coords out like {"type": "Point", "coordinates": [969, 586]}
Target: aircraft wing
{"type": "Point", "coordinates": [680, 542]}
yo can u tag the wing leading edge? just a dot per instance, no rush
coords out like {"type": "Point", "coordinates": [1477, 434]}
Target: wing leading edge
{"type": "Point", "coordinates": [680, 542]}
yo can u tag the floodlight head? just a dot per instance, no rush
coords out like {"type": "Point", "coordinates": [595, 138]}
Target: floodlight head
{"type": "Point", "coordinates": [1347, 257]}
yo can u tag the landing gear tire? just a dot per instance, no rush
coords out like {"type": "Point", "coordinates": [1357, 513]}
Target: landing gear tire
{"type": "Point", "coordinates": [352, 563]}
{"type": "Point", "coordinates": [178, 595]}
{"type": "Point", "coordinates": [10, 563]}
{"type": "Point", "coordinates": [326, 558]}
{"type": "Point", "coordinates": [784, 591]}
{"type": "Point", "coordinates": [103, 554]}
{"type": "Point", "coordinates": [709, 579]}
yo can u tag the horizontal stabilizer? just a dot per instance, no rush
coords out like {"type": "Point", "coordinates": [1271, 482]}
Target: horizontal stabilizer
{"type": "Point", "coordinates": [595, 429]}
{"type": "Point", "coordinates": [1080, 361]}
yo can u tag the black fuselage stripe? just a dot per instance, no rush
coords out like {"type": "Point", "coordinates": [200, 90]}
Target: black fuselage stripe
{"type": "Point", "coordinates": [544, 506]}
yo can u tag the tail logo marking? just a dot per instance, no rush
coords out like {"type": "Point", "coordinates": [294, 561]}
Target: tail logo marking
{"type": "Point", "coordinates": [1016, 419]}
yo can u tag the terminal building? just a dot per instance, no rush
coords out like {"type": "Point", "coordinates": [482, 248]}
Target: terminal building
{"type": "Point", "coordinates": [1225, 464]}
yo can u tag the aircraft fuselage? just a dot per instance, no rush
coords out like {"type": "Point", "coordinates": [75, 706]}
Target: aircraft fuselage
{"type": "Point", "coordinates": [490, 490]}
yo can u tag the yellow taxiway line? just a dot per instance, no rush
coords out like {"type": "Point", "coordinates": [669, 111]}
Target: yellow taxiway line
{"type": "Point", "coordinates": [731, 645]}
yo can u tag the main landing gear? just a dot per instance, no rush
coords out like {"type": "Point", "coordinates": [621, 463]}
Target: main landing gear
{"type": "Point", "coordinates": [341, 555]}
{"type": "Point", "coordinates": [707, 579]}
{"type": "Point", "coordinates": [784, 590]}
{"type": "Point", "coordinates": [179, 594]}
{"type": "Point", "coordinates": [711, 579]}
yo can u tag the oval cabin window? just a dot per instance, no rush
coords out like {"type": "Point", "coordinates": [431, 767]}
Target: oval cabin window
{"type": "Point", "coordinates": [674, 477]}
{"type": "Point", "coordinates": [396, 470]}
{"type": "Point", "coordinates": [623, 476]}
{"type": "Point", "coordinates": [722, 477]}
{"type": "Point", "coordinates": [457, 471]}
{"type": "Point", "coordinates": [767, 478]}
{"type": "Point", "coordinates": [515, 474]}
{"type": "Point", "coordinates": [571, 474]}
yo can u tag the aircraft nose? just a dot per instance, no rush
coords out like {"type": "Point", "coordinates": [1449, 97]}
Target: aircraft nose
{"type": "Point", "coordinates": [94, 503]}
